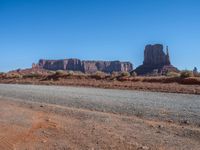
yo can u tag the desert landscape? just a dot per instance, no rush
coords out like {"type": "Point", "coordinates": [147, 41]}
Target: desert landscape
{"type": "Point", "coordinates": [99, 75]}
{"type": "Point", "coordinates": [101, 105]}
{"type": "Point", "coordinates": [156, 74]}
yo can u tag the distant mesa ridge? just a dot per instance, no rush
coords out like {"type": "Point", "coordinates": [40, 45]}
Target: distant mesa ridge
{"type": "Point", "coordinates": [155, 61]}
{"type": "Point", "coordinates": [85, 65]}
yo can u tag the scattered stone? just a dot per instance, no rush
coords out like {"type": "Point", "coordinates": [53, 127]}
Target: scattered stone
{"type": "Point", "coordinates": [186, 122]}
{"type": "Point", "coordinates": [48, 120]}
{"type": "Point", "coordinates": [144, 148]}
{"type": "Point", "coordinates": [44, 141]}
{"type": "Point", "coordinates": [160, 126]}
{"type": "Point", "coordinates": [170, 121]}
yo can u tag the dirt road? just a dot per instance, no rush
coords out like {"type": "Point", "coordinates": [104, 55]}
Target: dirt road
{"type": "Point", "coordinates": [51, 117]}
{"type": "Point", "coordinates": [165, 106]}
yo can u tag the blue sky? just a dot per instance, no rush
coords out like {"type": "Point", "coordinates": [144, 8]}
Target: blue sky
{"type": "Point", "coordinates": [97, 30]}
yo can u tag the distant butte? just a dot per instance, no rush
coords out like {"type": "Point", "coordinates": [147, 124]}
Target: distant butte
{"type": "Point", "coordinates": [155, 61]}
{"type": "Point", "coordinates": [85, 66]}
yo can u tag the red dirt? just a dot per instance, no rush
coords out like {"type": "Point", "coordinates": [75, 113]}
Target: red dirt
{"type": "Point", "coordinates": [29, 126]}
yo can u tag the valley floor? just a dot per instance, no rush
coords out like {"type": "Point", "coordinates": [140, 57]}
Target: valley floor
{"type": "Point", "coordinates": [51, 117]}
{"type": "Point", "coordinates": [35, 126]}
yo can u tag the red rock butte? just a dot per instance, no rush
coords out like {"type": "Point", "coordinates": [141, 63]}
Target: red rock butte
{"type": "Point", "coordinates": [156, 61]}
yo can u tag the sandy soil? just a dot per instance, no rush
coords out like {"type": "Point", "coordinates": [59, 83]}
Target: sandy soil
{"type": "Point", "coordinates": [28, 125]}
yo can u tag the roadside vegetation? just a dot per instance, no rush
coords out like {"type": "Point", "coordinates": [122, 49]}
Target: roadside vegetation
{"type": "Point", "coordinates": [184, 77]}
{"type": "Point", "coordinates": [178, 82]}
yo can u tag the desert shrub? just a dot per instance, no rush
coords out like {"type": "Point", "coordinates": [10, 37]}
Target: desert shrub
{"type": "Point", "coordinates": [98, 75]}
{"type": "Point", "coordinates": [172, 74]}
{"type": "Point", "coordinates": [60, 72]}
{"type": "Point", "coordinates": [13, 76]}
{"type": "Point", "coordinates": [51, 72]}
{"type": "Point", "coordinates": [71, 73]}
{"type": "Point", "coordinates": [17, 76]}
{"type": "Point", "coordinates": [133, 74]}
{"type": "Point", "coordinates": [113, 75]}
{"type": "Point", "coordinates": [32, 75]}
{"type": "Point", "coordinates": [186, 74]}
{"type": "Point", "coordinates": [125, 74]}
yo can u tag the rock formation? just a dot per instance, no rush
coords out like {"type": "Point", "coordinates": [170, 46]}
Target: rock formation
{"type": "Point", "coordinates": [155, 61]}
{"type": "Point", "coordinates": [85, 66]}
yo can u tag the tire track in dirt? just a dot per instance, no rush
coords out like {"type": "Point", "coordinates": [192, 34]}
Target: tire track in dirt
{"type": "Point", "coordinates": [42, 129]}
{"type": "Point", "coordinates": [7, 143]}
{"type": "Point", "coordinates": [43, 124]}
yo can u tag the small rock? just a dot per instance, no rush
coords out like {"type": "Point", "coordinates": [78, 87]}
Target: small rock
{"type": "Point", "coordinates": [160, 126]}
{"type": "Point", "coordinates": [158, 132]}
{"type": "Point", "coordinates": [48, 120]}
{"type": "Point", "coordinates": [41, 105]}
{"type": "Point", "coordinates": [44, 141]}
{"type": "Point", "coordinates": [186, 122]}
{"type": "Point", "coordinates": [170, 121]}
{"type": "Point", "coordinates": [144, 148]}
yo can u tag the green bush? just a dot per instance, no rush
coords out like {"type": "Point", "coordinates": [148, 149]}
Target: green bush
{"type": "Point", "coordinates": [172, 74]}
{"type": "Point", "coordinates": [14, 76]}
{"type": "Point", "coordinates": [52, 72]}
{"type": "Point", "coordinates": [125, 74]}
{"type": "Point", "coordinates": [60, 72]}
{"type": "Point", "coordinates": [71, 73]}
{"type": "Point", "coordinates": [98, 75]}
{"type": "Point", "coordinates": [32, 75]}
{"type": "Point", "coordinates": [186, 74]}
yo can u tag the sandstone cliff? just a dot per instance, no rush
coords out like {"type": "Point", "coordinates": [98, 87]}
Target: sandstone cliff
{"type": "Point", "coordinates": [155, 61]}
{"type": "Point", "coordinates": [85, 66]}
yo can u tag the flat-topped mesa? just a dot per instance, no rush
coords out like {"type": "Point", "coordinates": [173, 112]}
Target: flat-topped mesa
{"type": "Point", "coordinates": [156, 61]}
{"type": "Point", "coordinates": [85, 66]}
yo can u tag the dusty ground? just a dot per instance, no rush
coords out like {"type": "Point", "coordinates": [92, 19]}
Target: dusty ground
{"type": "Point", "coordinates": [60, 117]}
{"type": "Point", "coordinates": [41, 126]}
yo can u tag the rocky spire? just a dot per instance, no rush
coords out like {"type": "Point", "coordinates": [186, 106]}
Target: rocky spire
{"type": "Point", "coordinates": [167, 57]}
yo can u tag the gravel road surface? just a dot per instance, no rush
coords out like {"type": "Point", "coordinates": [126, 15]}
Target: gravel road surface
{"type": "Point", "coordinates": [165, 106]}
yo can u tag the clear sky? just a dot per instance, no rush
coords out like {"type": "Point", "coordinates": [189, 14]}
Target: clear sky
{"type": "Point", "coordinates": [97, 30]}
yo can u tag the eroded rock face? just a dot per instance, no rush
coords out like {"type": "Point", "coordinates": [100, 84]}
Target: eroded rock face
{"type": "Point", "coordinates": [154, 55]}
{"type": "Point", "coordinates": [85, 66]}
{"type": "Point", "coordinates": [156, 61]}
